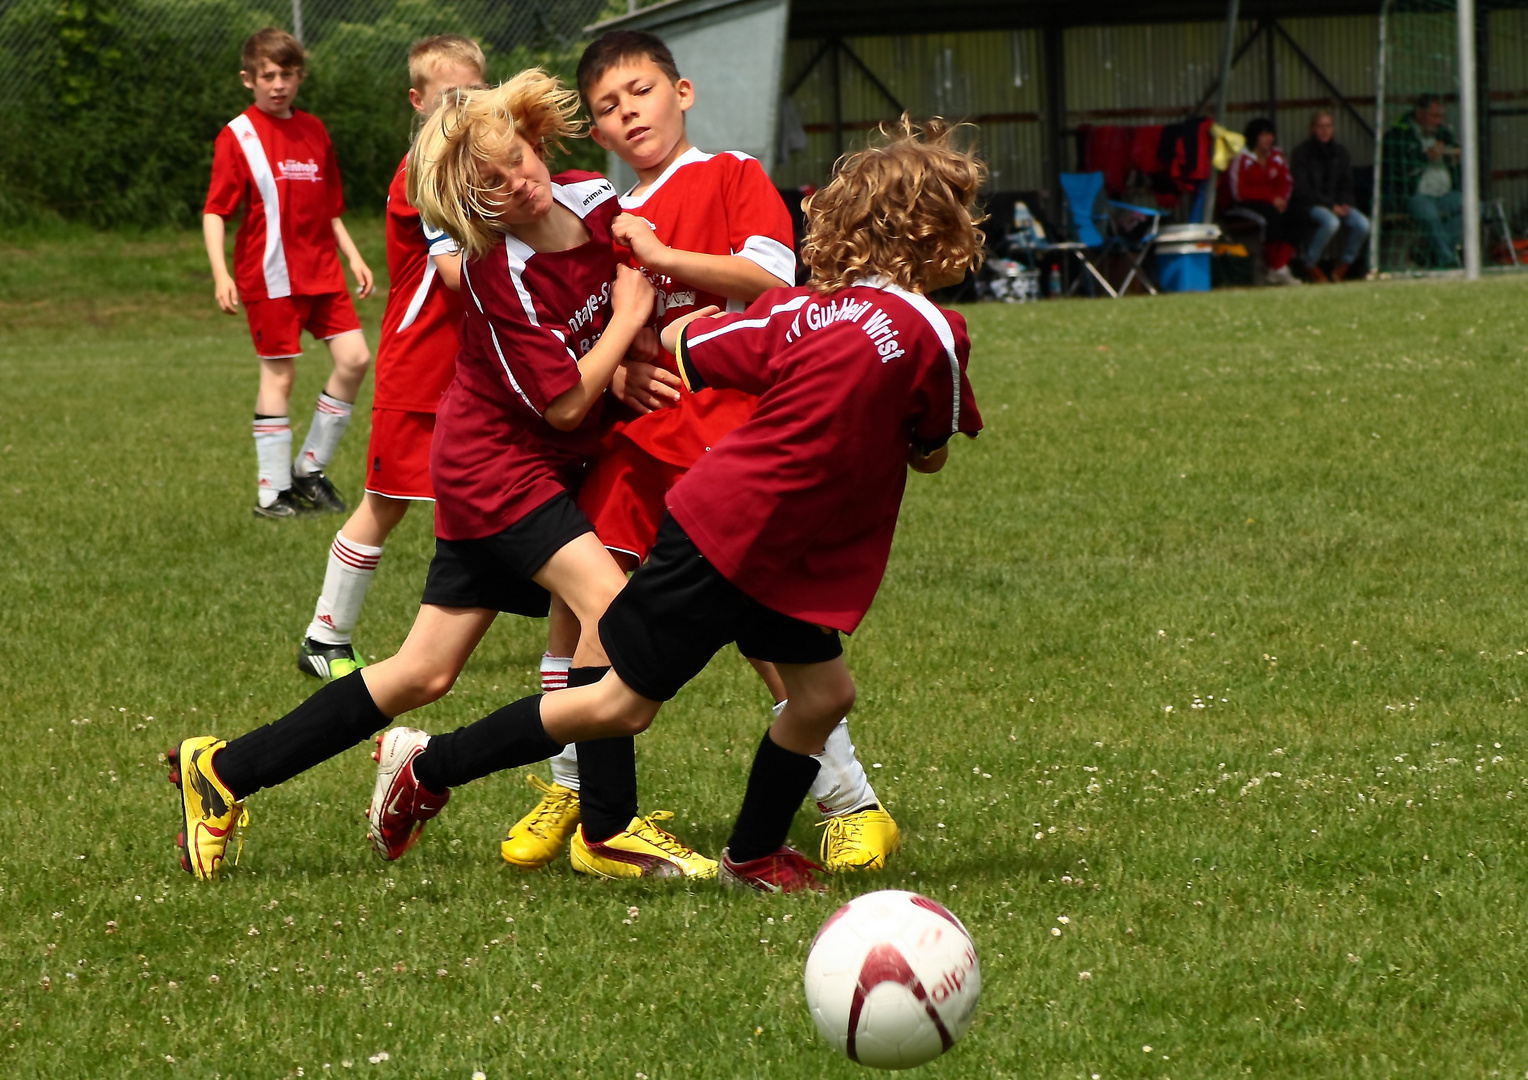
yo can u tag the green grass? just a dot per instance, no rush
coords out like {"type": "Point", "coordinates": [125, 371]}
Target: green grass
{"type": "Point", "coordinates": [1303, 511]}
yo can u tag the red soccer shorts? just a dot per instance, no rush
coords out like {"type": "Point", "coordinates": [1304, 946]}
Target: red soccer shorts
{"type": "Point", "coordinates": [398, 454]}
{"type": "Point", "coordinates": [277, 325]}
{"type": "Point", "coordinates": [623, 497]}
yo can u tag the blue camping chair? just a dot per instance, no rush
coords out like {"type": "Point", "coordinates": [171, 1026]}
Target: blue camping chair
{"type": "Point", "coordinates": [1093, 235]}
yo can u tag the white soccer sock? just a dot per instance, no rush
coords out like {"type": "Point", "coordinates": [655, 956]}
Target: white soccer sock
{"type": "Point", "coordinates": [554, 676]}
{"type": "Point", "coordinates": [554, 672]}
{"type": "Point", "coordinates": [351, 566]}
{"type": "Point", "coordinates": [331, 417]}
{"type": "Point", "coordinates": [273, 453]}
{"type": "Point", "coordinates": [841, 786]}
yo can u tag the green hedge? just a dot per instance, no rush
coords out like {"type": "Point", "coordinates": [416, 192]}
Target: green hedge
{"type": "Point", "coordinates": [111, 106]}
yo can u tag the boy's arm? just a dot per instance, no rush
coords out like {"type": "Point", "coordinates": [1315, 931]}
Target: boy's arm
{"type": "Point", "coordinates": [223, 288]}
{"type": "Point", "coordinates": [449, 269]}
{"type": "Point", "coordinates": [358, 265]}
{"type": "Point", "coordinates": [631, 302]}
{"type": "Point", "coordinates": [733, 276]}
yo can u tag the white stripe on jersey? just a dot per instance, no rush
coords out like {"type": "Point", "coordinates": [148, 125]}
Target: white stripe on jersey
{"type": "Point", "coordinates": [584, 195]}
{"type": "Point", "coordinates": [277, 282]}
{"type": "Point", "coordinates": [771, 256]}
{"type": "Point", "coordinates": [750, 324]}
{"type": "Point", "coordinates": [519, 253]}
{"type": "Point", "coordinates": [419, 297]}
{"type": "Point", "coordinates": [941, 327]}
{"type": "Point", "coordinates": [467, 280]}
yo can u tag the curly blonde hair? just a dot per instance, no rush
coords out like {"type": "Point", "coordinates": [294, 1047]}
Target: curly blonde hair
{"type": "Point", "coordinates": [472, 128]}
{"type": "Point", "coordinates": [903, 208]}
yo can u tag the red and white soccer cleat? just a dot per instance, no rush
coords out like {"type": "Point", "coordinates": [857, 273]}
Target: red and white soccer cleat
{"type": "Point", "coordinates": [400, 804]}
{"type": "Point", "coordinates": [782, 871]}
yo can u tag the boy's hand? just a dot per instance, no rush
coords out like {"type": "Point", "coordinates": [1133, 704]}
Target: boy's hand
{"type": "Point", "coordinates": [364, 280]}
{"type": "Point", "coordinates": [918, 461]}
{"type": "Point", "coordinates": [644, 387]}
{"type": "Point", "coordinates": [227, 294]}
{"type": "Point", "coordinates": [638, 235]}
{"type": "Point", "coordinates": [671, 332]}
{"type": "Point", "coordinates": [632, 295]}
{"type": "Point", "coordinates": [645, 347]}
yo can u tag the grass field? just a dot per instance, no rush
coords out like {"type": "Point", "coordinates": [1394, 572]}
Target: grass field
{"type": "Point", "coordinates": [1209, 655]}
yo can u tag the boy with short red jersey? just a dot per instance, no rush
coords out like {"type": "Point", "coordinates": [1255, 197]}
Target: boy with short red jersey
{"type": "Point", "coordinates": [279, 163]}
{"type": "Point", "coordinates": [778, 538]}
{"type": "Point", "coordinates": [708, 230]}
{"type": "Point", "coordinates": [416, 358]}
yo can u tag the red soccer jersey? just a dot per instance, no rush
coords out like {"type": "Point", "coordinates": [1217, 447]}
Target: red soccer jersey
{"type": "Point", "coordinates": [417, 354]}
{"type": "Point", "coordinates": [287, 173]}
{"type": "Point", "coordinates": [530, 317]}
{"type": "Point", "coordinates": [1253, 181]}
{"type": "Point", "coordinates": [715, 204]}
{"type": "Point", "coordinates": [797, 507]}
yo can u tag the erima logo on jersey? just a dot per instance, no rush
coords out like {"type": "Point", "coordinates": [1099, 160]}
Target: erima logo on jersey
{"type": "Point", "coordinates": [298, 170]}
{"type": "Point", "coordinates": [877, 326]}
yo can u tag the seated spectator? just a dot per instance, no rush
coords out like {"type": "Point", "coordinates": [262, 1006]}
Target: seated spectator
{"type": "Point", "coordinates": [1323, 173]}
{"type": "Point", "coordinates": [1421, 174]}
{"type": "Point", "coordinates": [1260, 190]}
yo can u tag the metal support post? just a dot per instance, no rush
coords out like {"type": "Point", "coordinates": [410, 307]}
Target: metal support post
{"type": "Point", "coordinates": [1227, 57]}
{"type": "Point", "coordinates": [297, 20]}
{"type": "Point", "coordinates": [1376, 203]}
{"type": "Point", "coordinates": [1469, 133]}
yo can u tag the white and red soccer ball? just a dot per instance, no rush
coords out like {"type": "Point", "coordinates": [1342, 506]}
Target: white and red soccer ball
{"type": "Point", "coordinates": [892, 979]}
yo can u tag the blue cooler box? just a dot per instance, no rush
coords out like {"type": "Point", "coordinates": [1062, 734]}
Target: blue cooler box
{"type": "Point", "coordinates": [1182, 254]}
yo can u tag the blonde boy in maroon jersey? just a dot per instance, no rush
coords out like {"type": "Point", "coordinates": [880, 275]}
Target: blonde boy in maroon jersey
{"type": "Point", "coordinates": [779, 537]}
{"type": "Point", "coordinates": [707, 229]}
{"type": "Point", "coordinates": [279, 161]}
{"type": "Point", "coordinates": [416, 358]}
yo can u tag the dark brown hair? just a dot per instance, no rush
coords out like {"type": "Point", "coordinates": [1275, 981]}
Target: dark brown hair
{"type": "Point", "coordinates": [277, 46]}
{"type": "Point", "coordinates": [611, 49]}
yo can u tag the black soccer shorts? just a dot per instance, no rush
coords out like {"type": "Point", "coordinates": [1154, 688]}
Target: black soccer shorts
{"type": "Point", "coordinates": [677, 611]}
{"type": "Point", "coordinates": [495, 572]}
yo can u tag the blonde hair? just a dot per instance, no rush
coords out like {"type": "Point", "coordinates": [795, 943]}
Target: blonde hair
{"type": "Point", "coordinates": [900, 209]}
{"type": "Point", "coordinates": [471, 129]}
{"type": "Point", "coordinates": [429, 53]}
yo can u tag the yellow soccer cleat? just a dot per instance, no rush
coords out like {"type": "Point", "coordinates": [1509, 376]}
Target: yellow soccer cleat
{"type": "Point", "coordinates": [209, 812]}
{"type": "Point", "coordinates": [641, 850]}
{"type": "Point", "coordinates": [538, 837]}
{"type": "Point", "coordinates": [863, 840]}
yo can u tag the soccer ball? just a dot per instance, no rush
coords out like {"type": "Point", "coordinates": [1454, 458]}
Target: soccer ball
{"type": "Point", "coordinates": [892, 979]}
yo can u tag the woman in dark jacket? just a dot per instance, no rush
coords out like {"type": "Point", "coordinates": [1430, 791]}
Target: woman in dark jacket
{"type": "Point", "coordinates": [1323, 174]}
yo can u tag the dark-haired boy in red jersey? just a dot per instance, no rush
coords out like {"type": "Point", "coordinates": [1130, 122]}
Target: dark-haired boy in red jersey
{"type": "Point", "coordinates": [416, 358]}
{"type": "Point", "coordinates": [279, 162]}
{"type": "Point", "coordinates": [707, 229]}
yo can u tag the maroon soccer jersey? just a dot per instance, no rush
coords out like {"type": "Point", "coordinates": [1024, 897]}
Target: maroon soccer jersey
{"type": "Point", "coordinates": [287, 173]}
{"type": "Point", "coordinates": [797, 506]}
{"type": "Point", "coordinates": [529, 318]}
{"type": "Point", "coordinates": [417, 353]}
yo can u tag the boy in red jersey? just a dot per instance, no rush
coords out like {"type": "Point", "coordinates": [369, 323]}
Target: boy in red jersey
{"type": "Point", "coordinates": [544, 328]}
{"type": "Point", "coordinates": [416, 358]}
{"type": "Point", "coordinates": [707, 229]}
{"type": "Point", "coordinates": [778, 538]}
{"type": "Point", "coordinates": [280, 162]}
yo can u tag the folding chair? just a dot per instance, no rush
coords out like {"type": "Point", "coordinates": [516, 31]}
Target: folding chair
{"type": "Point", "coordinates": [1085, 211]}
{"type": "Point", "coordinates": [1094, 235]}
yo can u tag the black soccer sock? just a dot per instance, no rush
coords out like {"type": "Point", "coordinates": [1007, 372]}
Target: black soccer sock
{"type": "Point", "coordinates": [504, 739]}
{"type": "Point", "coordinates": [330, 722]}
{"type": "Point", "coordinates": [607, 774]}
{"type": "Point", "coordinates": [777, 784]}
